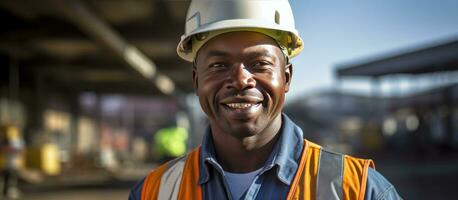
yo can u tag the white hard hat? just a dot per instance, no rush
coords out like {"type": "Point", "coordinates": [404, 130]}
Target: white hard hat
{"type": "Point", "coordinates": [208, 18]}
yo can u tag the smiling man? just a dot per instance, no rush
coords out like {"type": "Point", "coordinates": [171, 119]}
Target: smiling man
{"type": "Point", "coordinates": [240, 50]}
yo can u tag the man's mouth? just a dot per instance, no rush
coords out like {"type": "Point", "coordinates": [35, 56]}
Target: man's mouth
{"type": "Point", "coordinates": [243, 110]}
{"type": "Point", "coordinates": [240, 105]}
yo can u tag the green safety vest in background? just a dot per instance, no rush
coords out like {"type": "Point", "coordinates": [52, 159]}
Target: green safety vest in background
{"type": "Point", "coordinates": [171, 141]}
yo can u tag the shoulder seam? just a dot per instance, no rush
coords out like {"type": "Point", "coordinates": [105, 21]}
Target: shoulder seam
{"type": "Point", "coordinates": [383, 194]}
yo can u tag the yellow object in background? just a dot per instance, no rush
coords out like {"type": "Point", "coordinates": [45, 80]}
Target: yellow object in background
{"type": "Point", "coordinates": [45, 158]}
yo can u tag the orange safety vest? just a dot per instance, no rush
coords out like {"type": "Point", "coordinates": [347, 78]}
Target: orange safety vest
{"type": "Point", "coordinates": [321, 175]}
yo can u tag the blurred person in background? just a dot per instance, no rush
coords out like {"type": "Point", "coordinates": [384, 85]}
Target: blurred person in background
{"type": "Point", "coordinates": [240, 50]}
{"type": "Point", "coordinates": [12, 147]}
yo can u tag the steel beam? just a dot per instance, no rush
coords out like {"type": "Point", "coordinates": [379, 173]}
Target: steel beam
{"type": "Point", "coordinates": [77, 13]}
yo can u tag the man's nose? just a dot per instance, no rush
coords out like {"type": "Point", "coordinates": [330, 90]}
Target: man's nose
{"type": "Point", "coordinates": [241, 78]}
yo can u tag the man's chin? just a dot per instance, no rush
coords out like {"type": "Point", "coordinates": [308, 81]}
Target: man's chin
{"type": "Point", "coordinates": [241, 131]}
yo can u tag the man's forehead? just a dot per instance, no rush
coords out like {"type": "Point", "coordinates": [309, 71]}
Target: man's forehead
{"type": "Point", "coordinates": [240, 42]}
{"type": "Point", "coordinates": [257, 51]}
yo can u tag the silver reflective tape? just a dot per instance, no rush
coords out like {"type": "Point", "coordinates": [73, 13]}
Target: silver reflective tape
{"type": "Point", "coordinates": [171, 180]}
{"type": "Point", "coordinates": [329, 178]}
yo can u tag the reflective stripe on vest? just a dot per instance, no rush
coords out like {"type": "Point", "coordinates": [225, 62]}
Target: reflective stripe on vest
{"type": "Point", "coordinates": [171, 180]}
{"type": "Point", "coordinates": [330, 172]}
{"type": "Point", "coordinates": [177, 179]}
{"type": "Point", "coordinates": [321, 175]}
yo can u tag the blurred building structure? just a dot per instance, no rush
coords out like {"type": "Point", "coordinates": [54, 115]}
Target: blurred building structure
{"type": "Point", "coordinates": [420, 116]}
{"type": "Point", "coordinates": [339, 120]}
{"type": "Point", "coordinates": [96, 78]}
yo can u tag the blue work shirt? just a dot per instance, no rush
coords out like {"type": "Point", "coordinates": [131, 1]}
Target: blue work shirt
{"type": "Point", "coordinates": [274, 180]}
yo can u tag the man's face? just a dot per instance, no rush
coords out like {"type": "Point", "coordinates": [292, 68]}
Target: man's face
{"type": "Point", "coordinates": [241, 79]}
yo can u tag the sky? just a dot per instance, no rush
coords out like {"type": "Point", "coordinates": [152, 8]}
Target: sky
{"type": "Point", "coordinates": [345, 31]}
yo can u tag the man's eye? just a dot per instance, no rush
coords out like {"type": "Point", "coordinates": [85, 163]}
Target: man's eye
{"type": "Point", "coordinates": [217, 65]}
{"type": "Point", "coordinates": [261, 65]}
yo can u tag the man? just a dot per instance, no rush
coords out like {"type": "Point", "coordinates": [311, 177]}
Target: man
{"type": "Point", "coordinates": [240, 50]}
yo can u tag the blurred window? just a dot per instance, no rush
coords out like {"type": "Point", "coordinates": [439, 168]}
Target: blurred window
{"type": "Point", "coordinates": [86, 135]}
{"type": "Point", "coordinates": [57, 121]}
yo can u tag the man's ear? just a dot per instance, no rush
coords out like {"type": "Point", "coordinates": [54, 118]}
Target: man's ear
{"type": "Point", "coordinates": [195, 81]}
{"type": "Point", "coordinates": [288, 76]}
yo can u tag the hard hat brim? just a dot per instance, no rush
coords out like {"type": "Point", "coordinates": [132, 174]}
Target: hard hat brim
{"type": "Point", "coordinates": [185, 51]}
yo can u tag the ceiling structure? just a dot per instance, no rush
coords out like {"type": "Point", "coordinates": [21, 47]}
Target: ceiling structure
{"type": "Point", "coordinates": [442, 56]}
{"type": "Point", "coordinates": [106, 46]}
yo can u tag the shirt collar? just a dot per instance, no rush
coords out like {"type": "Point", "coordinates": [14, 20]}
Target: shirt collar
{"type": "Point", "coordinates": [286, 153]}
{"type": "Point", "coordinates": [207, 155]}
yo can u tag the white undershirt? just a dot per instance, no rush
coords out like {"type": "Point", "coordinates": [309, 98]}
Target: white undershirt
{"type": "Point", "coordinates": [239, 183]}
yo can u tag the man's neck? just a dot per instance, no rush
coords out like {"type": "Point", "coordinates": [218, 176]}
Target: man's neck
{"type": "Point", "coordinates": [241, 155]}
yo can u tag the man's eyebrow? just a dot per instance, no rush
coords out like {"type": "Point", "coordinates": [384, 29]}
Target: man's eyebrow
{"type": "Point", "coordinates": [217, 53]}
{"type": "Point", "coordinates": [262, 54]}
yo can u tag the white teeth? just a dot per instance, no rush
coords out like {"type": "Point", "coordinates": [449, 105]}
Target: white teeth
{"type": "Point", "coordinates": [239, 105]}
